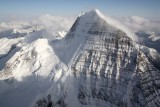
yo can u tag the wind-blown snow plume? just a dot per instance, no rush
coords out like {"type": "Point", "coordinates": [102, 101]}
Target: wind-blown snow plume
{"type": "Point", "coordinates": [118, 25]}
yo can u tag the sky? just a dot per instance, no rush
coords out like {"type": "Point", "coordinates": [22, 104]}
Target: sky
{"type": "Point", "coordinates": [143, 8]}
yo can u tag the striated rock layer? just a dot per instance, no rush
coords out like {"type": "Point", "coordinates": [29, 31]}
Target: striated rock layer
{"type": "Point", "coordinates": [107, 68]}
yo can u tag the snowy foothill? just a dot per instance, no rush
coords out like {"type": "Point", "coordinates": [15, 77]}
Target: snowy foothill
{"type": "Point", "coordinates": [29, 65]}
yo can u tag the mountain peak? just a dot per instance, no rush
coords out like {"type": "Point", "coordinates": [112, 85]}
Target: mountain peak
{"type": "Point", "coordinates": [96, 15]}
{"type": "Point", "coordinates": [95, 12]}
{"type": "Point", "coordinates": [92, 13]}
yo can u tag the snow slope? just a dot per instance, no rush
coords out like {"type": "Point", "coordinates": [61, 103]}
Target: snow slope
{"type": "Point", "coordinates": [28, 73]}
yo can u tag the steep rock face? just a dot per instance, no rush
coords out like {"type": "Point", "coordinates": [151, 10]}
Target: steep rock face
{"type": "Point", "coordinates": [111, 69]}
{"type": "Point", "coordinates": [107, 68]}
{"type": "Point", "coordinates": [149, 81]}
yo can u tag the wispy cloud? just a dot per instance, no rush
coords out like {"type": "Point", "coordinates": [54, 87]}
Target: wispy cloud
{"type": "Point", "coordinates": [53, 24]}
{"type": "Point", "coordinates": [136, 23]}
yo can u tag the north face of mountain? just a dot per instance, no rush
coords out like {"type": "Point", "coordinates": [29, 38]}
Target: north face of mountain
{"type": "Point", "coordinates": [107, 68]}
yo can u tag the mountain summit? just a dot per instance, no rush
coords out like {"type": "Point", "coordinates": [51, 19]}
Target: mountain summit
{"type": "Point", "coordinates": [95, 64]}
{"type": "Point", "coordinates": [93, 13]}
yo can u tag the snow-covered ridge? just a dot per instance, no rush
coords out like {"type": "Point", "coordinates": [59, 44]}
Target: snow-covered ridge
{"type": "Point", "coordinates": [13, 24]}
{"type": "Point", "coordinates": [27, 30]}
{"type": "Point", "coordinates": [154, 37]}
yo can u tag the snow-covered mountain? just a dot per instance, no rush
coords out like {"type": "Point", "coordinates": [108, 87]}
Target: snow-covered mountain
{"type": "Point", "coordinates": [96, 64]}
{"type": "Point", "coordinates": [149, 39]}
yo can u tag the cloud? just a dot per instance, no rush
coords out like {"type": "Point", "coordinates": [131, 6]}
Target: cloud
{"type": "Point", "coordinates": [54, 24]}
{"type": "Point", "coordinates": [13, 24]}
{"type": "Point", "coordinates": [136, 24]}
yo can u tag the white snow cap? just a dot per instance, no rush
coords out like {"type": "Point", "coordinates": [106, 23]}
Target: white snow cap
{"type": "Point", "coordinates": [95, 11]}
{"type": "Point", "coordinates": [111, 21]}
{"type": "Point", "coordinates": [92, 13]}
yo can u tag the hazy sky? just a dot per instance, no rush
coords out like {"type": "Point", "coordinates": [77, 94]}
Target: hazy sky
{"type": "Point", "coordinates": [143, 8]}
